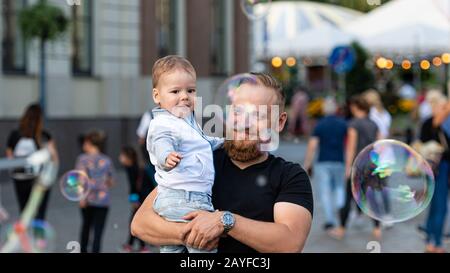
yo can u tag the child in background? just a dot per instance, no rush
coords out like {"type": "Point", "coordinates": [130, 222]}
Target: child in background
{"type": "Point", "coordinates": [140, 185]}
{"type": "Point", "coordinates": [100, 170]}
{"type": "Point", "coordinates": [181, 153]}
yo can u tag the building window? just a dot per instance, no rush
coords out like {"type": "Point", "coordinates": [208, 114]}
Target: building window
{"type": "Point", "coordinates": [166, 27]}
{"type": "Point", "coordinates": [82, 34]}
{"type": "Point", "coordinates": [218, 41]}
{"type": "Point", "coordinates": [14, 57]}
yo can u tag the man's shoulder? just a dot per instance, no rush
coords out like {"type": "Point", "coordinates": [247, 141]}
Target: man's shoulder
{"type": "Point", "coordinates": [286, 168]}
{"type": "Point", "coordinates": [219, 154]}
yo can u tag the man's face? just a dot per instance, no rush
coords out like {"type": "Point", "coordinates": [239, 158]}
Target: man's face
{"type": "Point", "coordinates": [176, 92]}
{"type": "Point", "coordinates": [250, 121]}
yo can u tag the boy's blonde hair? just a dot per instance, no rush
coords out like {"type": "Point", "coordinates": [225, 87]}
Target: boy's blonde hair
{"type": "Point", "coordinates": [170, 63]}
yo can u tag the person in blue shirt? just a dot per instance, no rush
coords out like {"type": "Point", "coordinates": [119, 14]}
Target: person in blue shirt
{"type": "Point", "coordinates": [329, 171]}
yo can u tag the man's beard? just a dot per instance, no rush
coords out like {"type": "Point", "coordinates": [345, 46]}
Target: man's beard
{"type": "Point", "coordinates": [242, 151]}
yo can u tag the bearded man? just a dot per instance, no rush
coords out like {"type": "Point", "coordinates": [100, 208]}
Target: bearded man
{"type": "Point", "coordinates": [263, 203]}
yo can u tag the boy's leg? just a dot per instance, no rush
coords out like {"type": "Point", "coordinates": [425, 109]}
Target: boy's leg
{"type": "Point", "coordinates": [99, 225]}
{"type": "Point", "coordinates": [172, 249]}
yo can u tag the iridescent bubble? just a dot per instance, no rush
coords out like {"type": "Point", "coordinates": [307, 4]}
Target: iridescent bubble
{"type": "Point", "coordinates": [74, 185]}
{"type": "Point", "coordinates": [255, 9]}
{"type": "Point", "coordinates": [245, 111]}
{"type": "Point", "coordinates": [391, 182]}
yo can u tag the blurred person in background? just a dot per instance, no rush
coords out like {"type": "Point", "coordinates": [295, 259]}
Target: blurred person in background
{"type": "Point", "coordinates": [22, 142]}
{"type": "Point", "coordinates": [432, 130]}
{"type": "Point", "coordinates": [298, 117]}
{"type": "Point", "coordinates": [100, 171]}
{"type": "Point", "coordinates": [141, 132]}
{"type": "Point", "coordinates": [141, 183]}
{"type": "Point", "coordinates": [378, 113]}
{"type": "Point", "coordinates": [361, 132]}
{"type": "Point", "coordinates": [329, 171]}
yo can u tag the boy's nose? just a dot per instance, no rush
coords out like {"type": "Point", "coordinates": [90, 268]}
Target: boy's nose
{"type": "Point", "coordinates": [184, 95]}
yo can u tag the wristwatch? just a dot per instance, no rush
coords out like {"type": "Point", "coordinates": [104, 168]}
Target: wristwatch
{"type": "Point", "coordinates": [227, 221]}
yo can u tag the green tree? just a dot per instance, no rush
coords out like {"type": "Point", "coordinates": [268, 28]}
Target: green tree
{"type": "Point", "coordinates": [46, 23]}
{"type": "Point", "coordinates": [360, 78]}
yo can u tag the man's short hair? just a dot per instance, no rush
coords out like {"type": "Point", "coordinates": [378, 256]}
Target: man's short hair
{"type": "Point", "coordinates": [360, 103]}
{"type": "Point", "coordinates": [170, 63]}
{"type": "Point", "coordinates": [269, 81]}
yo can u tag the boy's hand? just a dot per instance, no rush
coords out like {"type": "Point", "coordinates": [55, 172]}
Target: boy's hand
{"type": "Point", "coordinates": [172, 160]}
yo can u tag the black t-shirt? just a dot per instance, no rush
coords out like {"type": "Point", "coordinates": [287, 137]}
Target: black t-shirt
{"type": "Point", "coordinates": [15, 136]}
{"type": "Point", "coordinates": [429, 132]}
{"type": "Point", "coordinates": [253, 192]}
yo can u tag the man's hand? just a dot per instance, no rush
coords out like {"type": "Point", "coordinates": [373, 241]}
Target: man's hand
{"type": "Point", "coordinates": [172, 160]}
{"type": "Point", "coordinates": [204, 231]}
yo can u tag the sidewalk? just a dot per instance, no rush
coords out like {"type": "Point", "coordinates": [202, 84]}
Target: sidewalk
{"type": "Point", "coordinates": [64, 216]}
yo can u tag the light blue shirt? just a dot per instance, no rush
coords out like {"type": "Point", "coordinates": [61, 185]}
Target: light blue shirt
{"type": "Point", "coordinates": [168, 133]}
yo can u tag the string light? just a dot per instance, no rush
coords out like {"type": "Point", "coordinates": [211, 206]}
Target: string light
{"type": "Point", "coordinates": [291, 61]}
{"type": "Point", "coordinates": [425, 64]}
{"type": "Point", "coordinates": [406, 64]}
{"type": "Point", "coordinates": [277, 62]}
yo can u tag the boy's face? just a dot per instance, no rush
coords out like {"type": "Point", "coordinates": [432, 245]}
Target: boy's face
{"type": "Point", "coordinates": [176, 92]}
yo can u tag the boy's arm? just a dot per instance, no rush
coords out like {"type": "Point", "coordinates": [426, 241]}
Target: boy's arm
{"type": "Point", "coordinates": [162, 139]}
{"type": "Point", "coordinates": [151, 228]}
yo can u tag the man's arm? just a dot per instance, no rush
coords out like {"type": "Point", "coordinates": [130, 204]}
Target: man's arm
{"type": "Point", "coordinates": [288, 232]}
{"type": "Point", "coordinates": [352, 140]}
{"type": "Point", "coordinates": [309, 157]}
{"type": "Point", "coordinates": [151, 228]}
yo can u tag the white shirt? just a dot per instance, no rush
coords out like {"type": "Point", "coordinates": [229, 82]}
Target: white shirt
{"type": "Point", "coordinates": [382, 119]}
{"type": "Point", "coordinates": [143, 125]}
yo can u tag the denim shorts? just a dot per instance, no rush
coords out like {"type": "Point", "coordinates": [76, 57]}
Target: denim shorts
{"type": "Point", "coordinates": [172, 204]}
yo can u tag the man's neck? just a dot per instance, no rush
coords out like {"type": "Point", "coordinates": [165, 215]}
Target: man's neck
{"type": "Point", "coordinates": [245, 165]}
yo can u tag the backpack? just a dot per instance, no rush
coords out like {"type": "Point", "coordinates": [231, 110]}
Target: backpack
{"type": "Point", "coordinates": [24, 148]}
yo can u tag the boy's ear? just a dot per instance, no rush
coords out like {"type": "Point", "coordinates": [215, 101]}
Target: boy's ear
{"type": "Point", "coordinates": [155, 94]}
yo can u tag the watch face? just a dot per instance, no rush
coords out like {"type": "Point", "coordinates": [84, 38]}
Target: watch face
{"type": "Point", "coordinates": [228, 219]}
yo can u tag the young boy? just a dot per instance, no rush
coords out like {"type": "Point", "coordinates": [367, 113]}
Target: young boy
{"type": "Point", "coordinates": [100, 170]}
{"type": "Point", "coordinates": [180, 151]}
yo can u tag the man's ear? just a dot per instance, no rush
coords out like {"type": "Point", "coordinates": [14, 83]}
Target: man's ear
{"type": "Point", "coordinates": [281, 122]}
{"type": "Point", "coordinates": [156, 96]}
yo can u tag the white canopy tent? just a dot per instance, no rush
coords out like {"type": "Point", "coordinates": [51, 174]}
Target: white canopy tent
{"type": "Point", "coordinates": [300, 29]}
{"type": "Point", "coordinates": [407, 27]}
{"type": "Point", "coordinates": [321, 41]}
